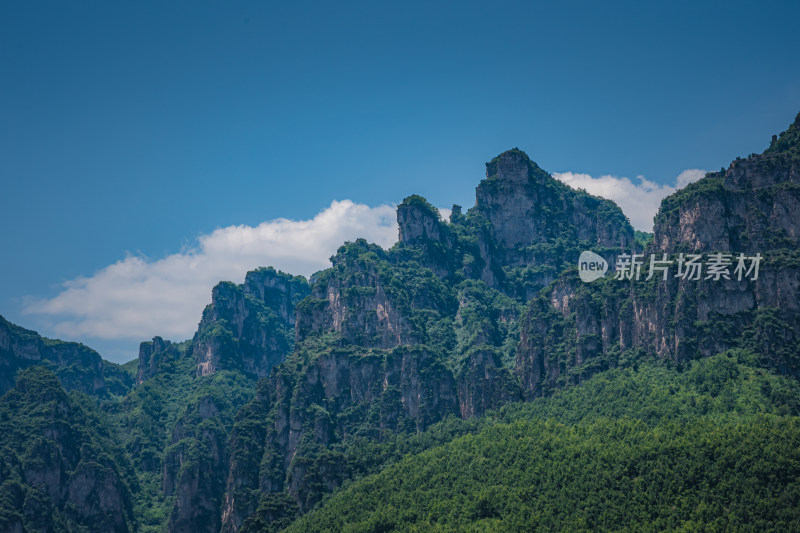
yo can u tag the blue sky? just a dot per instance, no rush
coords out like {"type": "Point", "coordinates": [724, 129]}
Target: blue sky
{"type": "Point", "coordinates": [130, 132]}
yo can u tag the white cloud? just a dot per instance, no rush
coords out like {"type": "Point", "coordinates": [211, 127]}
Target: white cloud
{"type": "Point", "coordinates": [689, 176]}
{"type": "Point", "coordinates": [639, 201]}
{"type": "Point", "coordinates": [137, 298]}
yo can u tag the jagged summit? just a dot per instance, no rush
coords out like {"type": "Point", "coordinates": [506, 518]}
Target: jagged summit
{"type": "Point", "coordinates": [753, 206]}
{"type": "Point", "coordinates": [514, 165]}
{"type": "Point", "coordinates": [525, 206]}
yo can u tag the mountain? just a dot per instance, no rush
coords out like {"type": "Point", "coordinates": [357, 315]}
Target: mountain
{"type": "Point", "coordinates": [62, 469]}
{"type": "Point", "coordinates": [77, 367]}
{"type": "Point", "coordinates": [434, 383]}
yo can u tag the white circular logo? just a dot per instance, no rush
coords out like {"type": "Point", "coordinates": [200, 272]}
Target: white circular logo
{"type": "Point", "coordinates": [591, 266]}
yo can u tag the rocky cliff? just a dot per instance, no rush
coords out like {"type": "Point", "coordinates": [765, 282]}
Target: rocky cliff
{"type": "Point", "coordinates": [753, 207]}
{"type": "Point", "coordinates": [290, 387]}
{"type": "Point", "coordinates": [397, 340]}
{"type": "Point", "coordinates": [60, 467]}
{"type": "Point", "coordinates": [525, 228]}
{"type": "Point", "coordinates": [152, 355]}
{"type": "Point", "coordinates": [249, 327]}
{"type": "Point", "coordinates": [525, 206]}
{"type": "Point", "coordinates": [78, 367]}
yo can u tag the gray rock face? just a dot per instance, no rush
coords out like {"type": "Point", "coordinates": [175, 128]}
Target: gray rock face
{"type": "Point", "coordinates": [524, 206]}
{"type": "Point", "coordinates": [319, 405]}
{"type": "Point", "coordinates": [419, 223]}
{"type": "Point", "coordinates": [351, 301]}
{"type": "Point", "coordinates": [421, 228]}
{"type": "Point", "coordinates": [70, 470]}
{"type": "Point", "coordinates": [78, 367]}
{"type": "Point", "coordinates": [277, 292]}
{"type": "Point", "coordinates": [485, 384]}
{"type": "Point", "coordinates": [365, 316]}
{"type": "Point", "coordinates": [249, 326]}
{"type": "Point", "coordinates": [196, 478]}
{"type": "Point", "coordinates": [752, 207]}
{"type": "Point", "coordinates": [151, 355]}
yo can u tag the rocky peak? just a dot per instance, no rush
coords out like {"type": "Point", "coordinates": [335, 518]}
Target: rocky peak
{"type": "Point", "coordinates": [753, 206]}
{"type": "Point", "coordinates": [248, 327]}
{"type": "Point", "coordinates": [537, 225]}
{"type": "Point", "coordinates": [419, 221]}
{"type": "Point", "coordinates": [277, 290]}
{"type": "Point", "coordinates": [421, 226]}
{"type": "Point", "coordinates": [525, 206]}
{"type": "Point", "coordinates": [151, 355]}
{"type": "Point", "coordinates": [514, 166]}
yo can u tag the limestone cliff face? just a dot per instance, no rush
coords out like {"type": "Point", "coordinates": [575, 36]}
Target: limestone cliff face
{"type": "Point", "coordinates": [62, 473]}
{"type": "Point", "coordinates": [78, 367]}
{"type": "Point", "coordinates": [249, 327]}
{"type": "Point", "coordinates": [485, 383]}
{"type": "Point", "coordinates": [151, 355]}
{"type": "Point", "coordinates": [278, 292]}
{"type": "Point", "coordinates": [322, 403]}
{"type": "Point", "coordinates": [422, 228]}
{"type": "Point", "coordinates": [247, 444]}
{"type": "Point", "coordinates": [526, 206]}
{"type": "Point", "coordinates": [194, 468]}
{"type": "Point", "coordinates": [751, 208]}
{"type": "Point", "coordinates": [351, 300]}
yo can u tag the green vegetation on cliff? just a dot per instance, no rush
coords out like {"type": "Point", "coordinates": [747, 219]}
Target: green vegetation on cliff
{"type": "Point", "coordinates": [715, 445]}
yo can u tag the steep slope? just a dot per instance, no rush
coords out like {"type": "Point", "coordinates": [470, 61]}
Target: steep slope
{"type": "Point", "coordinates": [574, 329]}
{"type": "Point", "coordinates": [60, 465]}
{"type": "Point", "coordinates": [393, 341]}
{"type": "Point", "coordinates": [249, 327]}
{"type": "Point", "coordinates": [78, 367]}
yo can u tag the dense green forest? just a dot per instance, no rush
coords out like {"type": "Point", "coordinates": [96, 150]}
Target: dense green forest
{"type": "Point", "coordinates": [713, 446]}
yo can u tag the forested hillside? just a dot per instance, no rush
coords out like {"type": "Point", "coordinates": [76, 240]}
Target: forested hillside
{"type": "Point", "coordinates": [466, 379]}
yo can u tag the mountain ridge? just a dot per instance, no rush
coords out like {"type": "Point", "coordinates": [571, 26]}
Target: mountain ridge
{"type": "Point", "coordinates": [291, 388]}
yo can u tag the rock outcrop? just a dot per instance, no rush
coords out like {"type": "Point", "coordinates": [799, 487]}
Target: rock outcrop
{"type": "Point", "coordinates": [60, 467]}
{"type": "Point", "coordinates": [323, 402]}
{"type": "Point", "coordinates": [353, 301]}
{"type": "Point", "coordinates": [249, 327]}
{"type": "Point", "coordinates": [151, 355]}
{"type": "Point", "coordinates": [752, 208]}
{"type": "Point", "coordinates": [77, 367]}
{"type": "Point", "coordinates": [526, 207]}
{"type": "Point", "coordinates": [194, 468]}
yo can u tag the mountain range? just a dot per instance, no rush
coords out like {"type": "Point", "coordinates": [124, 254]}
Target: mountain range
{"type": "Point", "coordinates": [466, 379]}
